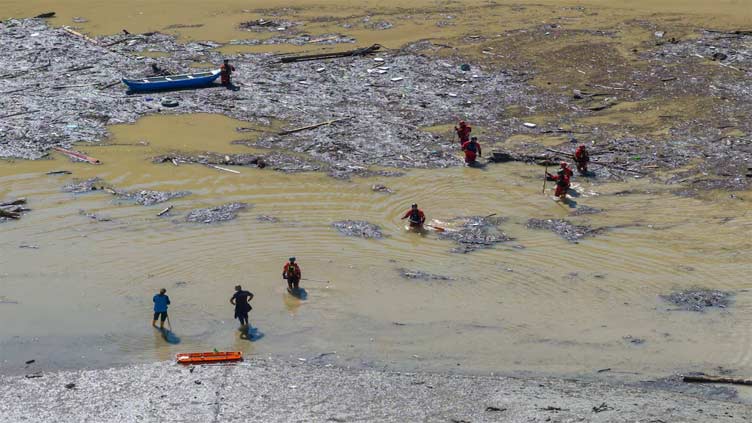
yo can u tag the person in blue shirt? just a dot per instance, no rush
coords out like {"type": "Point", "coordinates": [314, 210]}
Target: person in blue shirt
{"type": "Point", "coordinates": [161, 301]}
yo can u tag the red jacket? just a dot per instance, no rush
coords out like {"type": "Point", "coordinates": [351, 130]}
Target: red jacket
{"type": "Point", "coordinates": [561, 180]}
{"type": "Point", "coordinates": [291, 270]}
{"type": "Point", "coordinates": [581, 155]}
{"type": "Point", "coordinates": [464, 132]}
{"type": "Point", "coordinates": [466, 147]}
{"type": "Point", "coordinates": [421, 216]}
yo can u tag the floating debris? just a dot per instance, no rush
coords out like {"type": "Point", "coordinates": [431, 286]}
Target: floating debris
{"type": "Point", "coordinates": [210, 158]}
{"type": "Point", "coordinates": [148, 198]}
{"type": "Point", "coordinates": [418, 274]}
{"type": "Point", "coordinates": [267, 219]}
{"type": "Point", "coordinates": [94, 216]}
{"type": "Point", "coordinates": [565, 229]}
{"type": "Point", "coordinates": [358, 228]}
{"type": "Point", "coordinates": [381, 188]}
{"type": "Point", "coordinates": [699, 299]}
{"type": "Point", "coordinates": [583, 210]}
{"type": "Point", "coordinates": [216, 214]}
{"type": "Point", "coordinates": [474, 233]}
{"type": "Point", "coordinates": [78, 186]}
{"type": "Point", "coordinates": [12, 209]}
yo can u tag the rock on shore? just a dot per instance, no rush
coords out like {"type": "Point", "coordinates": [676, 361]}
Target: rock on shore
{"type": "Point", "coordinates": [272, 390]}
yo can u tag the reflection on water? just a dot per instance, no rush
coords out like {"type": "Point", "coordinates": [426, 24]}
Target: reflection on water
{"type": "Point", "coordinates": [550, 306]}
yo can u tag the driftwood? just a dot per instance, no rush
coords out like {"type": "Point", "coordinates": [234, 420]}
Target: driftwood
{"type": "Point", "coordinates": [80, 35]}
{"type": "Point", "coordinates": [16, 202]}
{"type": "Point", "coordinates": [111, 84]}
{"type": "Point", "coordinates": [304, 128]}
{"type": "Point", "coordinates": [716, 379]}
{"type": "Point", "coordinates": [45, 15]}
{"type": "Point", "coordinates": [164, 211]}
{"type": "Point", "coordinates": [323, 56]}
{"type": "Point", "coordinates": [222, 168]}
{"type": "Point", "coordinates": [77, 155]}
{"type": "Point", "coordinates": [25, 71]}
{"type": "Point", "coordinates": [18, 114]}
{"type": "Point", "coordinates": [9, 214]}
{"type": "Point", "coordinates": [737, 32]}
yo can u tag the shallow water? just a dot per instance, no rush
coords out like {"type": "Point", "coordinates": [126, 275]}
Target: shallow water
{"type": "Point", "coordinates": [84, 296]}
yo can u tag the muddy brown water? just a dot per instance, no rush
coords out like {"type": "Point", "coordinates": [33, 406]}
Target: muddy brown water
{"type": "Point", "coordinates": [84, 296]}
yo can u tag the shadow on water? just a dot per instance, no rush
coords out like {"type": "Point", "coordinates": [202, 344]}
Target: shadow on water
{"type": "Point", "coordinates": [169, 336]}
{"type": "Point", "coordinates": [251, 334]}
{"type": "Point", "coordinates": [477, 165]}
{"type": "Point", "coordinates": [299, 293]}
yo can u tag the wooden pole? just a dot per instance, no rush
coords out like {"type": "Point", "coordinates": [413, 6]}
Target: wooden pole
{"type": "Point", "coordinates": [292, 131]}
{"type": "Point", "coordinates": [716, 379]}
{"type": "Point", "coordinates": [77, 155]}
{"type": "Point", "coordinates": [545, 176]}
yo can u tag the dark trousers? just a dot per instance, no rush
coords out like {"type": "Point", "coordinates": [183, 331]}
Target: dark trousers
{"type": "Point", "coordinates": [292, 283]}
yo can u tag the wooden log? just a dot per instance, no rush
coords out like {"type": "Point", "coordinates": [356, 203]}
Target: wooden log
{"type": "Point", "coordinates": [223, 168]}
{"type": "Point", "coordinates": [16, 202]}
{"type": "Point", "coordinates": [77, 155]}
{"type": "Point", "coordinates": [10, 215]}
{"type": "Point", "coordinates": [304, 128]}
{"type": "Point", "coordinates": [163, 212]}
{"type": "Point", "coordinates": [716, 379]}
{"type": "Point", "coordinates": [18, 114]}
{"type": "Point", "coordinates": [80, 35]}
{"type": "Point", "coordinates": [111, 84]}
{"type": "Point", "coordinates": [24, 72]}
{"type": "Point", "coordinates": [357, 52]}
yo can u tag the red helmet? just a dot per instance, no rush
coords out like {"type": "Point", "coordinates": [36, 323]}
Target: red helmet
{"type": "Point", "coordinates": [463, 123]}
{"type": "Point", "coordinates": [563, 165]}
{"type": "Point", "coordinates": [581, 147]}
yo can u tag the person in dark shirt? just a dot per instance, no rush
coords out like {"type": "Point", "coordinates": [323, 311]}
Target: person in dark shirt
{"type": "Point", "coordinates": [240, 300]}
{"type": "Point", "coordinates": [161, 301]}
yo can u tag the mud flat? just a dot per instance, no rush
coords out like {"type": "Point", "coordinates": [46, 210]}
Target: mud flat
{"type": "Point", "coordinates": [273, 390]}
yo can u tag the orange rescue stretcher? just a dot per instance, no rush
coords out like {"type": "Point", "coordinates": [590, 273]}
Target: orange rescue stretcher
{"type": "Point", "coordinates": [209, 357]}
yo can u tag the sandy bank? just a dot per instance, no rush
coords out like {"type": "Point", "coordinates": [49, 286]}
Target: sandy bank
{"type": "Point", "coordinates": [273, 390]}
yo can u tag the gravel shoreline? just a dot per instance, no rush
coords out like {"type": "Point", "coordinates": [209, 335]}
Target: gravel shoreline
{"type": "Point", "coordinates": [272, 389]}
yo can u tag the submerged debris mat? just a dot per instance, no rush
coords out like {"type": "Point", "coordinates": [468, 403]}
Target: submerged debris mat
{"type": "Point", "coordinates": [148, 198]}
{"type": "Point", "coordinates": [358, 228]}
{"type": "Point", "coordinates": [474, 233]}
{"type": "Point", "coordinates": [56, 99]}
{"type": "Point", "coordinates": [210, 158]}
{"type": "Point", "coordinates": [216, 214]}
{"type": "Point", "coordinates": [420, 275]}
{"type": "Point", "coordinates": [12, 209]}
{"type": "Point", "coordinates": [78, 186]}
{"type": "Point", "coordinates": [564, 228]}
{"type": "Point", "coordinates": [699, 299]}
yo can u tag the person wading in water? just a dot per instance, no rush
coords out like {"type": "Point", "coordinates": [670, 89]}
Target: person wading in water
{"type": "Point", "coordinates": [161, 301]}
{"type": "Point", "coordinates": [417, 217]}
{"type": "Point", "coordinates": [562, 182]}
{"type": "Point", "coordinates": [472, 151]}
{"type": "Point", "coordinates": [581, 159]}
{"type": "Point", "coordinates": [240, 300]}
{"type": "Point", "coordinates": [291, 272]}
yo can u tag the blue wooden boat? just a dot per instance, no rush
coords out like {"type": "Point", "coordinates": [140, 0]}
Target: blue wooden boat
{"type": "Point", "coordinates": [172, 82]}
